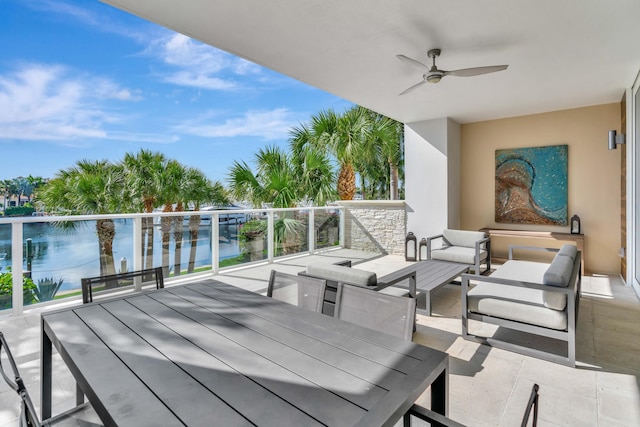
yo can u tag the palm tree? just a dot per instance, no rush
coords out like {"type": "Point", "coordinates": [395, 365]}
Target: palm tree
{"type": "Point", "coordinates": [89, 187]}
{"type": "Point", "coordinates": [386, 136]}
{"type": "Point", "coordinates": [314, 168]}
{"type": "Point", "coordinates": [342, 136]}
{"type": "Point", "coordinates": [171, 178]}
{"type": "Point", "coordinates": [198, 190]}
{"type": "Point", "coordinates": [274, 182]}
{"type": "Point", "coordinates": [143, 173]}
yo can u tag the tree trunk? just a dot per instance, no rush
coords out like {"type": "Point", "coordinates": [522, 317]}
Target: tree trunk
{"type": "Point", "coordinates": [178, 226]}
{"type": "Point", "coordinates": [194, 224]}
{"type": "Point", "coordinates": [393, 182]}
{"type": "Point", "coordinates": [346, 182]}
{"type": "Point", "coordinates": [106, 231]}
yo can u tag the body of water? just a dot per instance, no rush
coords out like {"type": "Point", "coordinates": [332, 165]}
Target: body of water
{"type": "Point", "coordinates": [73, 254]}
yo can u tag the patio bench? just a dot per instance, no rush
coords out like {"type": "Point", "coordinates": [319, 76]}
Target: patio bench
{"type": "Point", "coordinates": [533, 297]}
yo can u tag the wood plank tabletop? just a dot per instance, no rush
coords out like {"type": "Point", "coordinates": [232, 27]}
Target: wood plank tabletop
{"type": "Point", "coordinates": [209, 353]}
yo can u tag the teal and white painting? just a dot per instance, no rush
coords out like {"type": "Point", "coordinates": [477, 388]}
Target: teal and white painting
{"type": "Point", "coordinates": [531, 185]}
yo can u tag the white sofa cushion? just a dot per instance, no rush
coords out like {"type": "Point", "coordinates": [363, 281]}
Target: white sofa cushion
{"type": "Point", "coordinates": [463, 237]}
{"type": "Point", "coordinates": [338, 273]}
{"type": "Point", "coordinates": [523, 271]}
{"type": "Point", "coordinates": [461, 254]}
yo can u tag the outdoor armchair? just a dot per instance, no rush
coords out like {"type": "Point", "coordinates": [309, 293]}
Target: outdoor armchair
{"type": "Point", "coordinates": [81, 415]}
{"type": "Point", "coordinates": [390, 314]}
{"type": "Point", "coordinates": [462, 246]}
{"type": "Point", "coordinates": [118, 282]}
{"type": "Point", "coordinates": [302, 291]}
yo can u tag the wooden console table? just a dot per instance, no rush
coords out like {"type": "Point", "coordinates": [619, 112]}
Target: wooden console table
{"type": "Point", "coordinates": [578, 239]}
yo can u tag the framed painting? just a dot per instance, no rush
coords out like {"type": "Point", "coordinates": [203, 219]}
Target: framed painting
{"type": "Point", "coordinates": [531, 185]}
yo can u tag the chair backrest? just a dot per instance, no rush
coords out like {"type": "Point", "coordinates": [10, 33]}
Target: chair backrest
{"type": "Point", "coordinates": [531, 405]}
{"type": "Point", "coordinates": [390, 314]}
{"type": "Point", "coordinates": [303, 291]}
{"type": "Point", "coordinates": [28, 415]}
{"type": "Point", "coordinates": [118, 282]}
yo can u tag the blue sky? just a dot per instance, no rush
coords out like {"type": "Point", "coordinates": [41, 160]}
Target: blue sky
{"type": "Point", "coordinates": [82, 80]}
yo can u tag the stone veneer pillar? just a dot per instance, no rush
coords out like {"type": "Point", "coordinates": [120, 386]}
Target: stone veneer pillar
{"type": "Point", "coordinates": [375, 225]}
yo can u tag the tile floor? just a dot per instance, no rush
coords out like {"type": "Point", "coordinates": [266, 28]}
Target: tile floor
{"type": "Point", "coordinates": [488, 387]}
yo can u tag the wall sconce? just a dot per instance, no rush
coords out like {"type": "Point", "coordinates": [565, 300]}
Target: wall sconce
{"type": "Point", "coordinates": [411, 247]}
{"type": "Point", "coordinates": [614, 139]}
{"type": "Point", "coordinates": [423, 249]}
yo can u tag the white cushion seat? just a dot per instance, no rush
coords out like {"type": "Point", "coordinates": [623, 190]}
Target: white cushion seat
{"type": "Point", "coordinates": [461, 254]}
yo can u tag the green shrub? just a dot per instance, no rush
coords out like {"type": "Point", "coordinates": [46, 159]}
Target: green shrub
{"type": "Point", "coordinates": [19, 211]}
{"type": "Point", "coordinates": [6, 290]}
{"type": "Point", "coordinates": [252, 229]}
{"type": "Point", "coordinates": [47, 288]}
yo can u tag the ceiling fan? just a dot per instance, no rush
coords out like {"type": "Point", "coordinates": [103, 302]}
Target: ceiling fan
{"type": "Point", "coordinates": [434, 75]}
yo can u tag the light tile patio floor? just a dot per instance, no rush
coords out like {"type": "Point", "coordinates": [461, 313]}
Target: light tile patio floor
{"type": "Point", "coordinates": [488, 387]}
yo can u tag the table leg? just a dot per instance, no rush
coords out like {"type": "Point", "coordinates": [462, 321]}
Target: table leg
{"type": "Point", "coordinates": [439, 393]}
{"type": "Point", "coordinates": [45, 376]}
{"type": "Point", "coordinates": [427, 297]}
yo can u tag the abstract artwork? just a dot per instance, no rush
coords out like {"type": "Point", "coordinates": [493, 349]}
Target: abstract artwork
{"type": "Point", "coordinates": [531, 185]}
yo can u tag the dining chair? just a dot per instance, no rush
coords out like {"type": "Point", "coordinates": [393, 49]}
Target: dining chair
{"type": "Point", "coordinates": [118, 282]}
{"type": "Point", "coordinates": [390, 314]}
{"type": "Point", "coordinates": [305, 292]}
{"type": "Point", "coordinates": [438, 420]}
{"type": "Point", "coordinates": [81, 415]}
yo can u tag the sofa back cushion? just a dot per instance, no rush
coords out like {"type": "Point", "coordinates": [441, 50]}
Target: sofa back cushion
{"type": "Point", "coordinates": [559, 271]}
{"type": "Point", "coordinates": [338, 273]}
{"type": "Point", "coordinates": [463, 237]}
{"type": "Point", "coordinates": [569, 251]}
{"type": "Point", "coordinates": [532, 272]}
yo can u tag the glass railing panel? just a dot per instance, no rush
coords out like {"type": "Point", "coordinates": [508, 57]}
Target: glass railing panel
{"type": "Point", "coordinates": [291, 232]}
{"type": "Point", "coordinates": [180, 244]}
{"type": "Point", "coordinates": [243, 243]}
{"type": "Point", "coordinates": [58, 255]}
{"type": "Point", "coordinates": [327, 228]}
{"type": "Point", "coordinates": [6, 284]}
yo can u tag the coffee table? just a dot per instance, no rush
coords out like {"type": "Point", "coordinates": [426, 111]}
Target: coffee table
{"type": "Point", "coordinates": [430, 275]}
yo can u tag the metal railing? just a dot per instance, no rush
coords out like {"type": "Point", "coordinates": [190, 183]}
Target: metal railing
{"type": "Point", "coordinates": [278, 233]}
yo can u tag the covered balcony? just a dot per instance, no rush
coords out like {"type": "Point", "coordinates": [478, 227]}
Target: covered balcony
{"type": "Point", "coordinates": [572, 77]}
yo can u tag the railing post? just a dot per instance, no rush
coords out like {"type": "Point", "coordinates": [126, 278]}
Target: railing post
{"type": "Point", "coordinates": [343, 220]}
{"type": "Point", "coordinates": [312, 231]}
{"type": "Point", "coordinates": [270, 237]}
{"type": "Point", "coordinates": [17, 253]}
{"type": "Point", "coordinates": [215, 243]}
{"type": "Point", "coordinates": [137, 251]}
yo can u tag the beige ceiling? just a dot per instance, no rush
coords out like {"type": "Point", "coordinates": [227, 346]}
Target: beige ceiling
{"type": "Point", "coordinates": [561, 53]}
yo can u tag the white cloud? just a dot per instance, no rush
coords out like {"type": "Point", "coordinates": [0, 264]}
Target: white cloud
{"type": "Point", "coordinates": [199, 65]}
{"type": "Point", "coordinates": [269, 125]}
{"type": "Point", "coordinates": [49, 103]}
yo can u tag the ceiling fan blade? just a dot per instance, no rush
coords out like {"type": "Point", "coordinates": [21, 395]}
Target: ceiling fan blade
{"type": "Point", "coordinates": [415, 64]}
{"type": "Point", "coordinates": [476, 71]}
{"type": "Point", "coordinates": [415, 86]}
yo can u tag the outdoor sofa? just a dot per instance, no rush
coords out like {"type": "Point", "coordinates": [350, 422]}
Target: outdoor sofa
{"type": "Point", "coordinates": [534, 297]}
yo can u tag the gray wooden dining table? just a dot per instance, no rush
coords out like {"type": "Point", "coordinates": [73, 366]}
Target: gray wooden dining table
{"type": "Point", "coordinates": [208, 353]}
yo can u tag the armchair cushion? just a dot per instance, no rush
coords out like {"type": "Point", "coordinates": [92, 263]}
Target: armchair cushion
{"type": "Point", "coordinates": [463, 238]}
{"type": "Point", "coordinates": [461, 254]}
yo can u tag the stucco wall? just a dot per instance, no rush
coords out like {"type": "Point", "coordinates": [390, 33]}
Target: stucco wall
{"type": "Point", "coordinates": [375, 226]}
{"type": "Point", "coordinates": [594, 175]}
